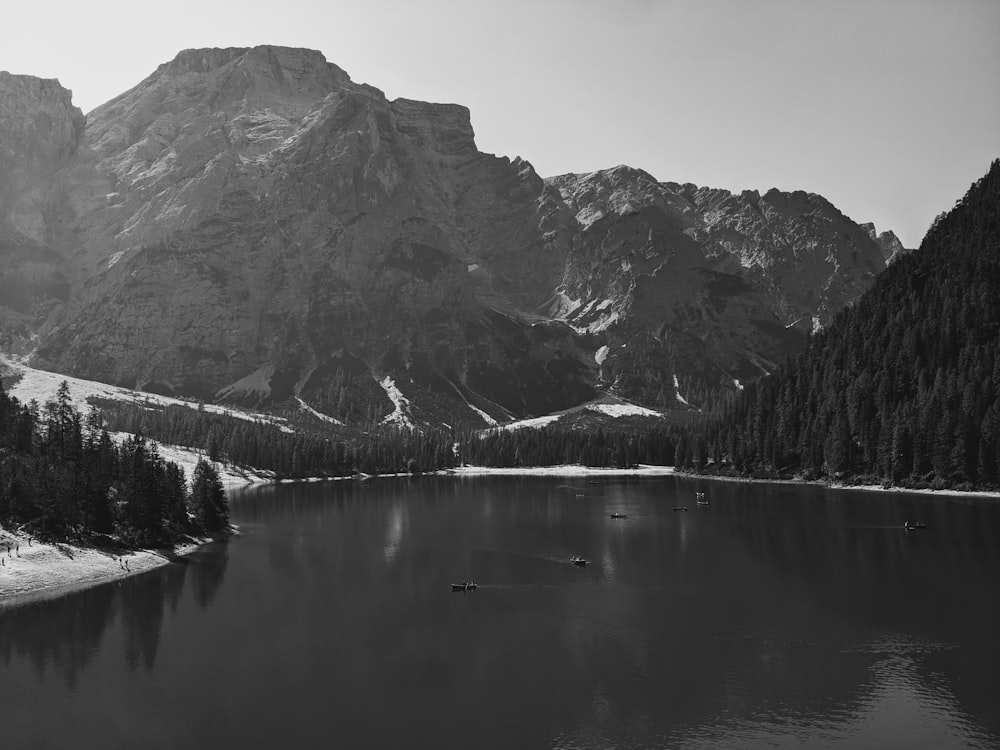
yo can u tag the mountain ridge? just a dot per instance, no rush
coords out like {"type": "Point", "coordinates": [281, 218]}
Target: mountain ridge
{"type": "Point", "coordinates": [250, 223]}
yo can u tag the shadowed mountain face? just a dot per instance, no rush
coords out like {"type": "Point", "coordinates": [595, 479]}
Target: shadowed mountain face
{"type": "Point", "coordinates": [250, 224]}
{"type": "Point", "coordinates": [701, 282]}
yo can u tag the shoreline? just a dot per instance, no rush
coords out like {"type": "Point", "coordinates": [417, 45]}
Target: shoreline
{"type": "Point", "coordinates": [560, 470]}
{"type": "Point", "coordinates": [36, 570]}
{"type": "Point", "coordinates": [959, 494]}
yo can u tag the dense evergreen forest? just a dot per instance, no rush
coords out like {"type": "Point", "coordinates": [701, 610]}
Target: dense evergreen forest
{"type": "Point", "coordinates": [903, 387]}
{"type": "Point", "coordinates": [325, 452]}
{"type": "Point", "coordinates": [63, 477]}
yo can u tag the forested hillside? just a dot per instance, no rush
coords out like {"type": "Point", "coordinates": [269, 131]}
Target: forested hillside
{"type": "Point", "coordinates": [902, 388]}
{"type": "Point", "coordinates": [338, 452]}
{"type": "Point", "coordinates": [62, 477]}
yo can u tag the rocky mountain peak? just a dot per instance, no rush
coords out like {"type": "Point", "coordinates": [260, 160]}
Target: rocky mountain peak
{"type": "Point", "coordinates": [40, 130]}
{"type": "Point", "coordinates": [39, 126]}
{"type": "Point", "coordinates": [254, 84]}
{"type": "Point", "coordinates": [617, 191]}
{"type": "Point", "coordinates": [887, 241]}
{"type": "Point", "coordinates": [286, 73]}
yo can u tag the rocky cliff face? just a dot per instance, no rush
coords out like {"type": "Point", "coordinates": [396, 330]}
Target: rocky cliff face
{"type": "Point", "coordinates": [887, 241]}
{"type": "Point", "coordinates": [253, 224]}
{"type": "Point", "coordinates": [40, 130]}
{"type": "Point", "coordinates": [250, 224]}
{"type": "Point", "coordinates": [700, 282]}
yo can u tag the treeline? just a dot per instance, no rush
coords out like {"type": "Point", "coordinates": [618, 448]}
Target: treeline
{"type": "Point", "coordinates": [555, 445]}
{"type": "Point", "coordinates": [63, 477]}
{"type": "Point", "coordinates": [264, 445]}
{"type": "Point", "coordinates": [289, 454]}
{"type": "Point", "coordinates": [903, 388]}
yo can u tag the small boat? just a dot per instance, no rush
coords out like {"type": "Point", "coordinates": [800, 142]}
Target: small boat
{"type": "Point", "coordinates": [579, 561]}
{"type": "Point", "coordinates": [914, 526]}
{"type": "Point", "coordinates": [680, 507]}
{"type": "Point", "coordinates": [618, 515]}
{"type": "Point", "coordinates": [464, 586]}
{"type": "Point", "coordinates": [701, 498]}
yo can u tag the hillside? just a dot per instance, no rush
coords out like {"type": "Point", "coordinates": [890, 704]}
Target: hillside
{"type": "Point", "coordinates": [902, 387]}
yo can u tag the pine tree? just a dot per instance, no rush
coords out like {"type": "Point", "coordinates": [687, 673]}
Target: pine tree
{"type": "Point", "coordinates": [208, 504]}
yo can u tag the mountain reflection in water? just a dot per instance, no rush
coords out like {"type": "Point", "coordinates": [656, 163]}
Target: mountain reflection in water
{"type": "Point", "coordinates": [778, 616]}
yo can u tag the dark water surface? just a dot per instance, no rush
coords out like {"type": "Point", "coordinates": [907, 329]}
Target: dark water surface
{"type": "Point", "coordinates": [780, 616]}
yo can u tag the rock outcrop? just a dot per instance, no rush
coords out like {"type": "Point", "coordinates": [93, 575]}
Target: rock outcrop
{"type": "Point", "coordinates": [887, 241]}
{"type": "Point", "coordinates": [40, 130]}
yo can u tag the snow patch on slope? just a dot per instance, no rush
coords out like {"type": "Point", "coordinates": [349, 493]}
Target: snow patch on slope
{"type": "Point", "coordinates": [603, 323]}
{"type": "Point", "coordinates": [400, 414]}
{"type": "Point", "coordinates": [41, 385]}
{"type": "Point", "coordinates": [677, 390]}
{"type": "Point", "coordinates": [608, 405]}
{"type": "Point", "coordinates": [623, 410]}
{"type": "Point", "coordinates": [485, 417]}
{"type": "Point", "coordinates": [187, 458]}
{"type": "Point", "coordinates": [318, 414]}
{"type": "Point", "coordinates": [534, 422]}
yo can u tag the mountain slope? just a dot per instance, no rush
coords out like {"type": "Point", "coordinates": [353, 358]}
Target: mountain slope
{"type": "Point", "coordinates": [904, 386]}
{"type": "Point", "coordinates": [698, 281]}
{"type": "Point", "coordinates": [272, 229]}
{"type": "Point", "coordinates": [252, 225]}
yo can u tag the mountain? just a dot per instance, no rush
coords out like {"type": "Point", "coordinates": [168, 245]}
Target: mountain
{"type": "Point", "coordinates": [251, 225]}
{"type": "Point", "coordinates": [903, 387]}
{"type": "Point", "coordinates": [889, 243]}
{"type": "Point", "coordinates": [699, 281]}
{"type": "Point", "coordinates": [39, 132]}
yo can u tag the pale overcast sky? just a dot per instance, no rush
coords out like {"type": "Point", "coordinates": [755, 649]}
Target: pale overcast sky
{"type": "Point", "coordinates": [889, 108]}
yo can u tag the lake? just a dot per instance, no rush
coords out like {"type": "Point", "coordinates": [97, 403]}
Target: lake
{"type": "Point", "coordinates": [778, 616]}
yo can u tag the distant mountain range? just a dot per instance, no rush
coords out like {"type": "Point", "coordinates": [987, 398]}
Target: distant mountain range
{"type": "Point", "coordinates": [250, 225]}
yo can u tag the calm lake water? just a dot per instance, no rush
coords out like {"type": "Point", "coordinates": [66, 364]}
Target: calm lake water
{"type": "Point", "coordinates": [779, 616]}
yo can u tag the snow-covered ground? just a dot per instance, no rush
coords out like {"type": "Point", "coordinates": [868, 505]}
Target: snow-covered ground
{"type": "Point", "coordinates": [41, 385]}
{"type": "Point", "coordinates": [187, 459]}
{"type": "Point", "coordinates": [622, 410]}
{"type": "Point", "coordinates": [401, 414]}
{"type": "Point", "coordinates": [609, 405]}
{"type": "Point", "coordinates": [566, 470]}
{"type": "Point", "coordinates": [50, 569]}
{"type": "Point", "coordinates": [853, 487]}
{"type": "Point", "coordinates": [31, 569]}
{"type": "Point", "coordinates": [319, 415]}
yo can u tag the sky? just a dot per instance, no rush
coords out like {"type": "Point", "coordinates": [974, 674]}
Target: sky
{"type": "Point", "coordinates": [888, 108]}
